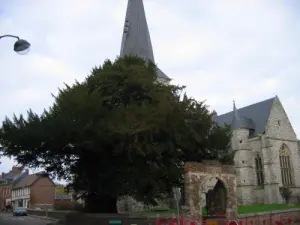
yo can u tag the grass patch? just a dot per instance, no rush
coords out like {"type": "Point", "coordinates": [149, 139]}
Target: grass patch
{"type": "Point", "coordinates": [242, 209]}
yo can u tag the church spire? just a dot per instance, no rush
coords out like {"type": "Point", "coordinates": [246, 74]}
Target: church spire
{"type": "Point", "coordinates": [136, 37]}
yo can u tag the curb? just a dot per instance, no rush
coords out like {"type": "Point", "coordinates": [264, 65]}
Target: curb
{"type": "Point", "coordinates": [43, 218]}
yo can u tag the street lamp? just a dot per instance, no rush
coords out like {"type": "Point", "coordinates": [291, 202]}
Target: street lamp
{"type": "Point", "coordinates": [21, 46]}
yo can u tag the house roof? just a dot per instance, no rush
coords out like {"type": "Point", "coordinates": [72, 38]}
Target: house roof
{"type": "Point", "coordinates": [136, 36]}
{"type": "Point", "coordinates": [28, 180]}
{"type": "Point", "coordinates": [9, 177]}
{"type": "Point", "coordinates": [62, 196]}
{"type": "Point", "coordinates": [14, 172]}
{"type": "Point", "coordinates": [253, 116]}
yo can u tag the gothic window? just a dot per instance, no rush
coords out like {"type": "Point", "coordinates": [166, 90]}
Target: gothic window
{"type": "Point", "coordinates": [259, 171]}
{"type": "Point", "coordinates": [285, 165]}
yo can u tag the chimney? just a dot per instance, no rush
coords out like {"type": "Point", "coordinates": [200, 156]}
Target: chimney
{"type": "Point", "coordinates": [16, 169]}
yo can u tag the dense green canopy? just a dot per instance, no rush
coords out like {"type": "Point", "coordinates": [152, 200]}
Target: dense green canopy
{"type": "Point", "coordinates": [117, 133]}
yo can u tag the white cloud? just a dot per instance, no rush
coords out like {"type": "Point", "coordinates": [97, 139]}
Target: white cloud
{"type": "Point", "coordinates": [247, 50]}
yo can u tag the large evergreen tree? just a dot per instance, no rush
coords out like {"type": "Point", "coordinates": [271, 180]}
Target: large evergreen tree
{"type": "Point", "coordinates": [117, 133]}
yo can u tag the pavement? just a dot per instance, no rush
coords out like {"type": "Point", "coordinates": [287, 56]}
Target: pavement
{"type": "Point", "coordinates": [9, 219]}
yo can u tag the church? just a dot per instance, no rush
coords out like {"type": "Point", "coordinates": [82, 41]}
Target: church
{"type": "Point", "coordinates": [266, 146]}
{"type": "Point", "coordinates": [266, 152]}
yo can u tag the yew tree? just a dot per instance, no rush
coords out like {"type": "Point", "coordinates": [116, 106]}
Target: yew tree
{"type": "Point", "coordinates": [117, 133]}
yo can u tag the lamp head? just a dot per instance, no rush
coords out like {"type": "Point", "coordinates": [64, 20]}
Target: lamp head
{"type": "Point", "coordinates": [22, 47]}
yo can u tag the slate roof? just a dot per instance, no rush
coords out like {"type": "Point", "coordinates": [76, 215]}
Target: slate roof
{"type": "Point", "coordinates": [136, 36]}
{"type": "Point", "coordinates": [29, 180]}
{"type": "Point", "coordinates": [21, 176]}
{"type": "Point", "coordinates": [62, 196]}
{"type": "Point", "coordinates": [253, 116]}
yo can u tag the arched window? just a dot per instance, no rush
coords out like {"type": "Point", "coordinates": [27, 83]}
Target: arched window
{"type": "Point", "coordinates": [259, 171]}
{"type": "Point", "coordinates": [285, 165]}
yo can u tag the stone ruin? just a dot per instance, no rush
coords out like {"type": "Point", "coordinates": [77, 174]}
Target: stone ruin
{"type": "Point", "coordinates": [212, 186]}
{"type": "Point", "coordinates": [208, 185]}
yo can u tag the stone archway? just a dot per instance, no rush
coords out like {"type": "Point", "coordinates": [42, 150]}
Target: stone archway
{"type": "Point", "coordinates": [207, 184]}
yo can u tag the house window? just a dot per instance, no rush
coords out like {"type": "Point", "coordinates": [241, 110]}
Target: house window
{"type": "Point", "coordinates": [285, 165]}
{"type": "Point", "coordinates": [259, 171]}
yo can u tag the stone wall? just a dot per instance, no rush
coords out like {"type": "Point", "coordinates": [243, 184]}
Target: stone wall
{"type": "Point", "coordinates": [128, 204]}
{"type": "Point", "coordinates": [280, 131]}
{"type": "Point", "coordinates": [279, 125]}
{"type": "Point", "coordinates": [53, 214]}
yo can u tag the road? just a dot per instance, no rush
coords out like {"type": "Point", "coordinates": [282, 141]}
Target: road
{"type": "Point", "coordinates": [9, 219]}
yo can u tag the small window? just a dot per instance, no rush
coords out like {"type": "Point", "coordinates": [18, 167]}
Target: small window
{"type": "Point", "coordinates": [278, 122]}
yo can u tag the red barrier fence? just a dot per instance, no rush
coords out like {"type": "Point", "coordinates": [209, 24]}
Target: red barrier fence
{"type": "Point", "coordinates": [282, 217]}
{"type": "Point", "coordinates": [274, 218]}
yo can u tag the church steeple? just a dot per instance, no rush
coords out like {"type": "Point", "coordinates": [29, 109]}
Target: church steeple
{"type": "Point", "coordinates": [136, 37]}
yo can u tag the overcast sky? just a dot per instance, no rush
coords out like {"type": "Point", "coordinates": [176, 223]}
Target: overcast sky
{"type": "Point", "coordinates": [247, 50]}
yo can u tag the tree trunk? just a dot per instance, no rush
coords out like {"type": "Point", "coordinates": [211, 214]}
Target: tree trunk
{"type": "Point", "coordinates": [101, 204]}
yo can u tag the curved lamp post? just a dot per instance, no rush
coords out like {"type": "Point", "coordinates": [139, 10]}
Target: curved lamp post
{"type": "Point", "coordinates": [21, 46]}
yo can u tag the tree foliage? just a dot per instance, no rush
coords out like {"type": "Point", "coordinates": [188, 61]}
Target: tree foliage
{"type": "Point", "coordinates": [117, 133]}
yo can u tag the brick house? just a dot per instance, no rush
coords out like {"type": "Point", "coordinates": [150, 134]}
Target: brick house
{"type": "Point", "coordinates": [6, 182]}
{"type": "Point", "coordinates": [5, 194]}
{"type": "Point", "coordinates": [35, 190]}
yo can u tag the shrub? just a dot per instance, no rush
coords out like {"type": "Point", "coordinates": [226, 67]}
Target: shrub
{"type": "Point", "coordinates": [286, 193]}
